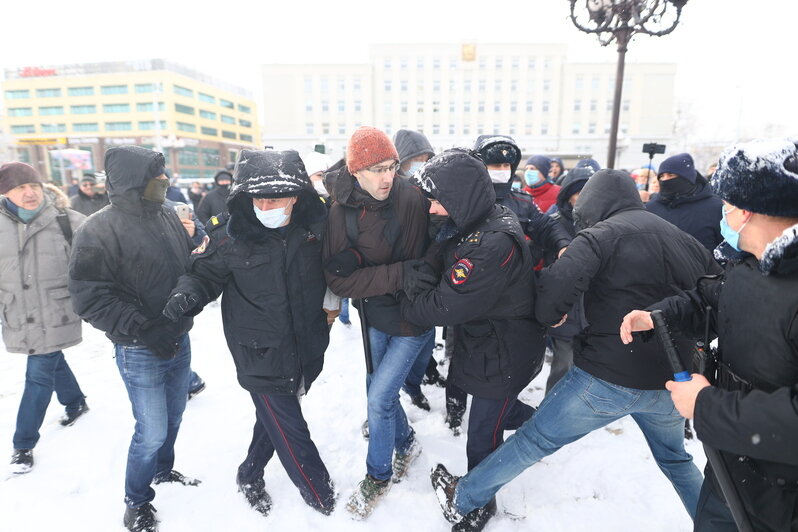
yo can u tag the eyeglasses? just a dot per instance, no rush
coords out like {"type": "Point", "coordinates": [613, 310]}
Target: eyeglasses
{"type": "Point", "coordinates": [383, 169]}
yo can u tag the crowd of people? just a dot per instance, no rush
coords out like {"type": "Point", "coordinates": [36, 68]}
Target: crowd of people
{"type": "Point", "coordinates": [508, 257]}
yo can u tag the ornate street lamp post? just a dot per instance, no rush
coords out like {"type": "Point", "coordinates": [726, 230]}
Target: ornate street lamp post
{"type": "Point", "coordinates": [619, 21]}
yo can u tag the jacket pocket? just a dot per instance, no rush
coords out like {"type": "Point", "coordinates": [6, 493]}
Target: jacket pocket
{"type": "Point", "coordinates": [260, 354]}
{"type": "Point", "coordinates": [7, 315]}
{"type": "Point", "coordinates": [481, 346]}
{"type": "Point", "coordinates": [59, 310]}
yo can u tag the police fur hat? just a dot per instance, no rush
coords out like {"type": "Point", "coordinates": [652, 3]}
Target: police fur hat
{"type": "Point", "coordinates": [760, 176]}
{"type": "Point", "coordinates": [269, 174]}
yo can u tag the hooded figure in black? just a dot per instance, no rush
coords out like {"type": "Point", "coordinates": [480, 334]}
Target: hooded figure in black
{"type": "Point", "coordinates": [265, 258]}
{"type": "Point", "coordinates": [215, 201]}
{"type": "Point", "coordinates": [125, 260]}
{"type": "Point", "coordinates": [685, 199]}
{"type": "Point", "coordinates": [486, 292]}
{"type": "Point", "coordinates": [414, 150]}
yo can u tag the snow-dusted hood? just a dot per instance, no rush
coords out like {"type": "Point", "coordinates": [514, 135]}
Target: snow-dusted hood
{"type": "Point", "coordinates": [606, 193]}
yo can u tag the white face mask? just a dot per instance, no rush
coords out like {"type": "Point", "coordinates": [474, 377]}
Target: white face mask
{"type": "Point", "coordinates": [499, 176]}
{"type": "Point", "coordinates": [272, 218]}
{"type": "Point", "coordinates": [318, 186]}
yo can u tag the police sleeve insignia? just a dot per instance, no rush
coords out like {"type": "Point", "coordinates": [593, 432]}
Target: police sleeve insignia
{"type": "Point", "coordinates": [460, 271]}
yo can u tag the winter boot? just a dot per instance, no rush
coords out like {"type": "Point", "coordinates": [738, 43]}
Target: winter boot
{"type": "Point", "coordinates": [21, 461]}
{"type": "Point", "coordinates": [688, 431]}
{"type": "Point", "coordinates": [475, 520]}
{"type": "Point", "coordinates": [364, 429]}
{"type": "Point", "coordinates": [141, 519]}
{"type": "Point", "coordinates": [256, 496]}
{"type": "Point", "coordinates": [444, 484]}
{"type": "Point", "coordinates": [175, 476]}
{"type": "Point", "coordinates": [366, 496]}
{"type": "Point", "coordinates": [402, 461]}
{"type": "Point", "coordinates": [420, 401]}
{"type": "Point", "coordinates": [68, 419]}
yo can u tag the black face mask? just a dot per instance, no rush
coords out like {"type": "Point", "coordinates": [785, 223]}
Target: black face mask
{"type": "Point", "coordinates": [679, 186]}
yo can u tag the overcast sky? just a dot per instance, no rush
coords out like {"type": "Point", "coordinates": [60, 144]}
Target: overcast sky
{"type": "Point", "coordinates": [735, 58]}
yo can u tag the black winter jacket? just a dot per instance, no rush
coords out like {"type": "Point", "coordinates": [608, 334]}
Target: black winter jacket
{"type": "Point", "coordinates": [697, 214]}
{"type": "Point", "coordinates": [624, 258]}
{"type": "Point", "coordinates": [88, 205]}
{"type": "Point", "coordinates": [214, 202]}
{"type": "Point", "coordinates": [487, 288]}
{"type": "Point", "coordinates": [754, 314]}
{"type": "Point", "coordinates": [273, 288]}
{"type": "Point", "coordinates": [127, 258]}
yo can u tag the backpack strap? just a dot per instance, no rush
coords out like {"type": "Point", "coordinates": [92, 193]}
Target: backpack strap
{"type": "Point", "coordinates": [63, 221]}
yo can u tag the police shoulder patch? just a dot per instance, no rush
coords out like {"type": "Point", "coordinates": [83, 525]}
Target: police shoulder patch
{"type": "Point", "coordinates": [215, 220]}
{"type": "Point", "coordinates": [461, 271]}
{"type": "Point", "coordinates": [203, 246]}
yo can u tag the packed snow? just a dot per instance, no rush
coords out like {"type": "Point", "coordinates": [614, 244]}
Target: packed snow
{"type": "Point", "coordinates": [607, 481]}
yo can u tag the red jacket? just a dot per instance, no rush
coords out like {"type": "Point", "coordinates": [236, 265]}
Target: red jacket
{"type": "Point", "coordinates": [545, 195]}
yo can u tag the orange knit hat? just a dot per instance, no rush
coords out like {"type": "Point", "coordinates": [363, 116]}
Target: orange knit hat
{"type": "Point", "coordinates": [368, 146]}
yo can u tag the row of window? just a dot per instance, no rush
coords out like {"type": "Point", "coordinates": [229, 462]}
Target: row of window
{"type": "Point", "coordinates": [467, 84]}
{"type": "Point", "coordinates": [139, 88]}
{"type": "Point", "coordinates": [123, 108]}
{"type": "Point", "coordinates": [466, 106]}
{"type": "Point", "coordinates": [498, 63]}
{"type": "Point", "coordinates": [342, 129]}
{"type": "Point", "coordinates": [85, 127]}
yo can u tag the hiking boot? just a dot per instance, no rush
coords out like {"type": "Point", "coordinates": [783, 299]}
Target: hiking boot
{"type": "Point", "coordinates": [141, 519]}
{"type": "Point", "coordinates": [366, 496]}
{"type": "Point", "coordinates": [256, 496]}
{"type": "Point", "coordinates": [175, 476]}
{"type": "Point", "coordinates": [401, 461]}
{"type": "Point", "coordinates": [68, 419]}
{"type": "Point", "coordinates": [475, 520]}
{"type": "Point", "coordinates": [420, 401]}
{"type": "Point", "coordinates": [444, 484]}
{"type": "Point", "coordinates": [21, 461]}
{"type": "Point", "coordinates": [364, 429]}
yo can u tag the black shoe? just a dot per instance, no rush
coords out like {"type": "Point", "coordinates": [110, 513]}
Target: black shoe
{"type": "Point", "coordinates": [141, 519]}
{"type": "Point", "coordinates": [688, 432]}
{"type": "Point", "coordinates": [453, 421]}
{"type": "Point", "coordinates": [444, 484]}
{"type": "Point", "coordinates": [434, 380]}
{"type": "Point", "coordinates": [476, 520]}
{"type": "Point", "coordinates": [256, 496]}
{"type": "Point", "coordinates": [176, 476]}
{"type": "Point", "coordinates": [420, 401]}
{"type": "Point", "coordinates": [69, 418]}
{"type": "Point", "coordinates": [21, 461]}
{"type": "Point", "coordinates": [196, 389]}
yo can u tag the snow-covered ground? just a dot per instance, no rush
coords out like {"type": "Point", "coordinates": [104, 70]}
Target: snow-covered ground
{"type": "Point", "coordinates": [607, 481]}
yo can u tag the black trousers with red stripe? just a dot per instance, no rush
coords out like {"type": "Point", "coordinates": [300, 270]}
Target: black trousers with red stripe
{"type": "Point", "coordinates": [281, 427]}
{"type": "Point", "coordinates": [488, 420]}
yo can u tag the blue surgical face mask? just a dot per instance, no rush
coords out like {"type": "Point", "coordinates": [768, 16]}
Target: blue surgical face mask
{"type": "Point", "coordinates": [271, 218]}
{"type": "Point", "coordinates": [532, 177]}
{"type": "Point", "coordinates": [516, 185]}
{"type": "Point", "coordinates": [731, 236]}
{"type": "Point", "coordinates": [415, 166]}
{"type": "Point", "coordinates": [641, 186]}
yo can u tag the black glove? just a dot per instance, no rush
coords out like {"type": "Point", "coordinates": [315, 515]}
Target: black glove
{"type": "Point", "coordinates": [160, 337]}
{"type": "Point", "coordinates": [344, 263]}
{"type": "Point", "coordinates": [178, 304]}
{"type": "Point", "coordinates": [418, 277]}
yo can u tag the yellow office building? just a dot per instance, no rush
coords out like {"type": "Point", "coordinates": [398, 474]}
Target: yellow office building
{"type": "Point", "coordinates": [198, 123]}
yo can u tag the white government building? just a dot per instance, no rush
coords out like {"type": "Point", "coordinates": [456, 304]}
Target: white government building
{"type": "Point", "coordinates": [455, 92]}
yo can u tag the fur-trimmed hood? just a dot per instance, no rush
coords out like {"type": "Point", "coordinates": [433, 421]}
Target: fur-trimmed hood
{"type": "Point", "coordinates": [781, 255]}
{"type": "Point", "coordinates": [56, 196]}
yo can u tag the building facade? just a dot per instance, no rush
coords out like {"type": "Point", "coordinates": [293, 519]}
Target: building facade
{"type": "Point", "coordinates": [199, 123]}
{"type": "Point", "coordinates": [455, 92]}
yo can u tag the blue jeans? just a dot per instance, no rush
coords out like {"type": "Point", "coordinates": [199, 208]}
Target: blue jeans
{"type": "Point", "coordinates": [44, 375]}
{"type": "Point", "coordinates": [576, 406]}
{"type": "Point", "coordinates": [158, 391]}
{"type": "Point", "coordinates": [343, 317]}
{"type": "Point", "coordinates": [412, 385]}
{"type": "Point", "coordinates": [392, 357]}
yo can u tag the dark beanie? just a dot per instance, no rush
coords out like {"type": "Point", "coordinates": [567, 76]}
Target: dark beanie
{"type": "Point", "coordinates": [541, 163]}
{"type": "Point", "coordinates": [760, 176]}
{"type": "Point", "coordinates": [14, 174]}
{"type": "Point", "coordinates": [88, 178]}
{"type": "Point", "coordinates": [680, 164]}
{"type": "Point", "coordinates": [588, 163]}
{"type": "Point", "coordinates": [222, 174]}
